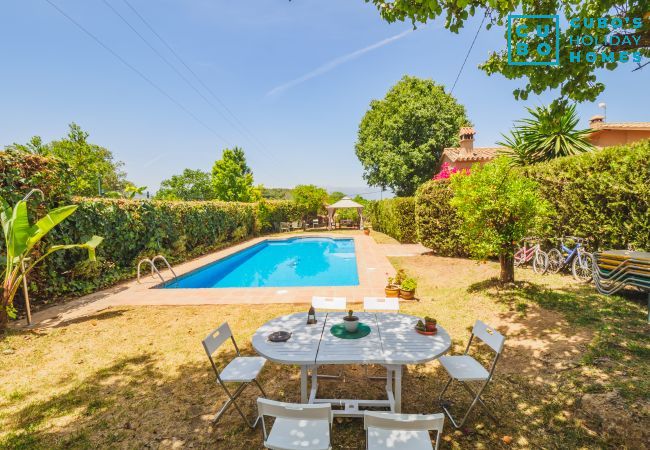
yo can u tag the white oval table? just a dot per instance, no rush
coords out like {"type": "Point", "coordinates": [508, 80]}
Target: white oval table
{"type": "Point", "coordinates": [392, 343]}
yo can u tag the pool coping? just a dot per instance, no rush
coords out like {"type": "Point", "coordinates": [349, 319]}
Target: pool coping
{"type": "Point", "coordinates": [372, 266]}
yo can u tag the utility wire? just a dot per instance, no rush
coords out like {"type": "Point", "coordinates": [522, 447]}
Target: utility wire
{"type": "Point", "coordinates": [138, 72]}
{"type": "Point", "coordinates": [468, 52]}
{"type": "Point", "coordinates": [173, 67]}
{"type": "Point", "coordinates": [189, 69]}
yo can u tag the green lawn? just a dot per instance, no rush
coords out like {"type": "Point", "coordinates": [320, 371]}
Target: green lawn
{"type": "Point", "coordinates": [574, 372]}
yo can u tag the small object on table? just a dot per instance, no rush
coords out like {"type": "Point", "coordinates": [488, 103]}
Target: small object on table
{"type": "Point", "coordinates": [311, 316]}
{"type": "Point", "coordinates": [351, 322]}
{"type": "Point", "coordinates": [426, 329]}
{"type": "Point", "coordinates": [279, 336]}
{"type": "Point", "coordinates": [339, 331]}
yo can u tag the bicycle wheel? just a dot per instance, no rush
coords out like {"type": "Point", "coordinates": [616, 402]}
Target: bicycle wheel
{"type": "Point", "coordinates": [582, 268]}
{"type": "Point", "coordinates": [540, 262]}
{"type": "Point", "coordinates": [554, 260]}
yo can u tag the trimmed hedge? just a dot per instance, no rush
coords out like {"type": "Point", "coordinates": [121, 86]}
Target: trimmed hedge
{"type": "Point", "coordinates": [132, 229]}
{"type": "Point", "coordinates": [438, 226]}
{"type": "Point", "coordinates": [271, 212]}
{"type": "Point", "coordinates": [136, 229]}
{"type": "Point", "coordinates": [603, 195]}
{"type": "Point", "coordinates": [395, 217]}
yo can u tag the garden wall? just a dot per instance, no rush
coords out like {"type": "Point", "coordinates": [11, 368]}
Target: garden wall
{"type": "Point", "coordinates": [395, 217]}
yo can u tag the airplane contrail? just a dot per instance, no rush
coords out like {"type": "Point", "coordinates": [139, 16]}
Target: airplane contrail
{"type": "Point", "coordinates": [331, 65]}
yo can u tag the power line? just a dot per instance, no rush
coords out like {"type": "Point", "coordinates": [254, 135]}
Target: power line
{"type": "Point", "coordinates": [173, 67]}
{"type": "Point", "coordinates": [468, 52]}
{"type": "Point", "coordinates": [138, 72]}
{"type": "Point", "coordinates": [189, 69]}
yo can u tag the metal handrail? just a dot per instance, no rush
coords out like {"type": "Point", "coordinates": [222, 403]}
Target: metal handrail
{"type": "Point", "coordinates": [165, 261]}
{"type": "Point", "coordinates": [153, 268]}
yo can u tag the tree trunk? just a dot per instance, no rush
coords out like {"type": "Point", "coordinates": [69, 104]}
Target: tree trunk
{"type": "Point", "coordinates": [507, 268]}
{"type": "Point", "coordinates": [4, 316]}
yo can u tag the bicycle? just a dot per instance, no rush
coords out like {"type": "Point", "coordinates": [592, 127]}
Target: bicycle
{"type": "Point", "coordinates": [534, 253]}
{"type": "Point", "coordinates": [580, 260]}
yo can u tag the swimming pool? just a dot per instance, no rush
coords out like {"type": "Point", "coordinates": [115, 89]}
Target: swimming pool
{"type": "Point", "coordinates": [300, 261]}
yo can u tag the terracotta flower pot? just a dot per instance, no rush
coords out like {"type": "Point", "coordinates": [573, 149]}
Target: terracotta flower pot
{"type": "Point", "coordinates": [366, 232]}
{"type": "Point", "coordinates": [430, 327]}
{"type": "Point", "coordinates": [391, 291]}
{"type": "Point", "coordinates": [407, 295]}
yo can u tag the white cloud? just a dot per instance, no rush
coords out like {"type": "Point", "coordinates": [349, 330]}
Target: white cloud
{"type": "Point", "coordinates": [333, 64]}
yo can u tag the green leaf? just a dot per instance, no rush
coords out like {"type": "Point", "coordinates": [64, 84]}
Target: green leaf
{"type": "Point", "coordinates": [45, 224]}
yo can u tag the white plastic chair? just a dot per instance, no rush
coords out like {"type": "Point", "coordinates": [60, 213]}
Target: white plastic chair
{"type": "Point", "coordinates": [296, 426]}
{"type": "Point", "coordinates": [242, 369]}
{"type": "Point", "coordinates": [386, 431]}
{"type": "Point", "coordinates": [329, 303]}
{"type": "Point", "coordinates": [463, 368]}
{"type": "Point", "coordinates": [380, 304]}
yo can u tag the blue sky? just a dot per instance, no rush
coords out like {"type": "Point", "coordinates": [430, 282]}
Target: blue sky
{"type": "Point", "coordinates": [297, 75]}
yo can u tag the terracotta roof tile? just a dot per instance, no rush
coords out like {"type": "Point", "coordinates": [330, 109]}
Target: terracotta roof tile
{"type": "Point", "coordinates": [475, 154]}
{"type": "Point", "coordinates": [621, 126]}
{"type": "Point", "coordinates": [466, 130]}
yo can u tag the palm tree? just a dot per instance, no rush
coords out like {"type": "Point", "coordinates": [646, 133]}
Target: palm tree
{"type": "Point", "coordinates": [549, 133]}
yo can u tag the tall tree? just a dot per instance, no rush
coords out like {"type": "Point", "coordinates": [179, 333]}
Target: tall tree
{"type": "Point", "coordinates": [88, 162]}
{"type": "Point", "coordinates": [401, 137]}
{"type": "Point", "coordinates": [498, 207]}
{"type": "Point", "coordinates": [550, 132]}
{"type": "Point", "coordinates": [576, 80]}
{"type": "Point", "coordinates": [233, 179]}
{"type": "Point", "coordinates": [190, 185]}
{"type": "Point", "coordinates": [311, 200]}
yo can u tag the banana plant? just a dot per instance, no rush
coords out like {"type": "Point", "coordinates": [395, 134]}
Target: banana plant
{"type": "Point", "coordinates": [20, 239]}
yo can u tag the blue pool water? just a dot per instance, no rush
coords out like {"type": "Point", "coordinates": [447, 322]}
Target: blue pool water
{"type": "Point", "coordinates": [277, 263]}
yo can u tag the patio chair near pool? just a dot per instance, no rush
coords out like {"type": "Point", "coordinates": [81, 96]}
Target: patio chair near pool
{"type": "Point", "coordinates": [296, 426]}
{"type": "Point", "coordinates": [242, 369]}
{"type": "Point", "coordinates": [463, 368]}
{"type": "Point", "coordinates": [385, 431]}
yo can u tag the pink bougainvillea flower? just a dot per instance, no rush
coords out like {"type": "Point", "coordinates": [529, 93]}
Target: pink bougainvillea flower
{"type": "Point", "coordinates": [446, 172]}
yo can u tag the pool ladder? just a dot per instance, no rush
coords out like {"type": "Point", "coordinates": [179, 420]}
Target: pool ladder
{"type": "Point", "coordinates": [152, 263]}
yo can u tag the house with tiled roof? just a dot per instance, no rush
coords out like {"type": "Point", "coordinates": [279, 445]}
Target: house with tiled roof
{"type": "Point", "coordinates": [607, 134]}
{"type": "Point", "coordinates": [466, 155]}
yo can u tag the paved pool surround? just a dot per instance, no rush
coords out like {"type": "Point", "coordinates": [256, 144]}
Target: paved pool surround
{"type": "Point", "coordinates": [372, 265]}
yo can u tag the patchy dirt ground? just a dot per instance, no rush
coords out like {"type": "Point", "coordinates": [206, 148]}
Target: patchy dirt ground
{"type": "Point", "coordinates": [574, 372]}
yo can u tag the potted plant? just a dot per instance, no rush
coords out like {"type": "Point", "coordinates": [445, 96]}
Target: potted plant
{"type": "Point", "coordinates": [391, 289]}
{"type": "Point", "coordinates": [351, 322]}
{"type": "Point", "coordinates": [430, 324]}
{"type": "Point", "coordinates": [399, 277]}
{"type": "Point", "coordinates": [407, 288]}
{"type": "Point", "coordinates": [366, 230]}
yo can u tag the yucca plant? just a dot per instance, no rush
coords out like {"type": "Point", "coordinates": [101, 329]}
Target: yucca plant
{"type": "Point", "coordinates": [20, 239]}
{"type": "Point", "coordinates": [550, 132]}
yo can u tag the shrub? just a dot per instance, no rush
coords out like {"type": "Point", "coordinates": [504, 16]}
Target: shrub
{"type": "Point", "coordinates": [22, 172]}
{"type": "Point", "coordinates": [602, 195]}
{"type": "Point", "coordinates": [395, 217]}
{"type": "Point", "coordinates": [498, 208]}
{"type": "Point", "coordinates": [271, 212]}
{"type": "Point", "coordinates": [438, 226]}
{"type": "Point", "coordinates": [134, 229]}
